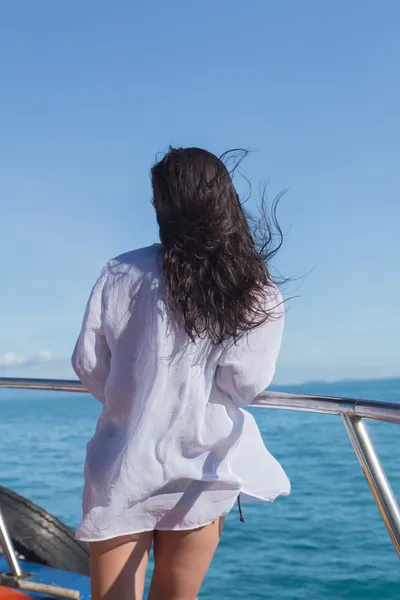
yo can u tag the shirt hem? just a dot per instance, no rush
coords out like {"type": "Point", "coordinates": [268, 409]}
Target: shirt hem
{"type": "Point", "coordinates": [104, 538]}
{"type": "Point", "coordinates": [264, 498]}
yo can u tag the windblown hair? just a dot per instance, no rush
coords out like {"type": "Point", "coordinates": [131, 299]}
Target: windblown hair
{"type": "Point", "coordinates": [215, 266]}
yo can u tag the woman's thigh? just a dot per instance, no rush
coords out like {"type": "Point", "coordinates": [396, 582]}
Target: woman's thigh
{"type": "Point", "coordinates": [181, 561]}
{"type": "Point", "coordinates": [118, 566]}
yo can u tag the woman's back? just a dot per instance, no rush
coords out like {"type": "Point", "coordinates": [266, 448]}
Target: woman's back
{"type": "Point", "coordinates": [171, 406]}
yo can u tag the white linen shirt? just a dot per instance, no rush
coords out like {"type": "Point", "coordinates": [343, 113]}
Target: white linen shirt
{"type": "Point", "coordinates": [173, 447]}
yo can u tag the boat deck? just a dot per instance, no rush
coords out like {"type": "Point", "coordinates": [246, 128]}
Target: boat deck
{"type": "Point", "coordinates": [43, 574]}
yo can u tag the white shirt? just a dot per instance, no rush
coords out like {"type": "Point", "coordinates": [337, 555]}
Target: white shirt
{"type": "Point", "coordinates": [173, 447]}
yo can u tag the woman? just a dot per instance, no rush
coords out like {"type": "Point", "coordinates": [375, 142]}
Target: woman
{"type": "Point", "coordinates": [176, 340]}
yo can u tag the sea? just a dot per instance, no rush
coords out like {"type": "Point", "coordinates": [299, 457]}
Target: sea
{"type": "Point", "coordinates": [326, 541]}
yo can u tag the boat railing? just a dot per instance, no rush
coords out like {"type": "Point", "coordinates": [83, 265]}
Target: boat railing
{"type": "Point", "coordinates": [353, 413]}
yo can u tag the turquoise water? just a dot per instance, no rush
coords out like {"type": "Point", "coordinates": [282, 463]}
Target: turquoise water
{"type": "Point", "coordinates": [326, 541]}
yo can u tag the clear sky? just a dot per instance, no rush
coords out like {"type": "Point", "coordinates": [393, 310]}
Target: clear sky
{"type": "Point", "coordinates": [91, 91]}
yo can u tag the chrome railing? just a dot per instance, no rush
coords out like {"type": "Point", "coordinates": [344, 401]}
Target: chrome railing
{"type": "Point", "coordinates": [351, 411]}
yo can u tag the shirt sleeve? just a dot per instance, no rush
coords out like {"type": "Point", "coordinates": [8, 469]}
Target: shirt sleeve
{"type": "Point", "coordinates": [91, 356]}
{"type": "Point", "coordinates": [246, 368]}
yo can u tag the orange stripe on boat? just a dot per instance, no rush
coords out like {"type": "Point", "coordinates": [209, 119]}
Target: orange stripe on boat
{"type": "Point", "coordinates": [9, 594]}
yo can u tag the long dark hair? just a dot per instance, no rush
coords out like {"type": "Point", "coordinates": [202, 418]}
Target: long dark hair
{"type": "Point", "coordinates": [215, 255]}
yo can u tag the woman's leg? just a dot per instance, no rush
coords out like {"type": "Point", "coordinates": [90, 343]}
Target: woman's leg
{"type": "Point", "coordinates": [181, 561]}
{"type": "Point", "coordinates": [118, 566]}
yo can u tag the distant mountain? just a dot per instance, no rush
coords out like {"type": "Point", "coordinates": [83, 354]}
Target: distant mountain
{"type": "Point", "coordinates": [377, 389]}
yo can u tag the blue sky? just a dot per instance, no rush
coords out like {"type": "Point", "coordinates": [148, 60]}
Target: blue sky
{"type": "Point", "coordinates": [91, 91]}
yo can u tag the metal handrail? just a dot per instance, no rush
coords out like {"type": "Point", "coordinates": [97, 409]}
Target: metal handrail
{"type": "Point", "coordinates": [352, 412]}
{"type": "Point", "coordinates": [8, 549]}
{"type": "Point", "coordinates": [332, 405]}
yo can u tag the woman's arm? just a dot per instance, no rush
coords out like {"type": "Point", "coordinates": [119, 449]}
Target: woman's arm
{"type": "Point", "coordinates": [246, 368]}
{"type": "Point", "coordinates": [91, 356]}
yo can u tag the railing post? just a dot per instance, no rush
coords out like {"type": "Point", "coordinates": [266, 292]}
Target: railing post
{"type": "Point", "coordinates": [376, 477]}
{"type": "Point", "coordinates": [8, 549]}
